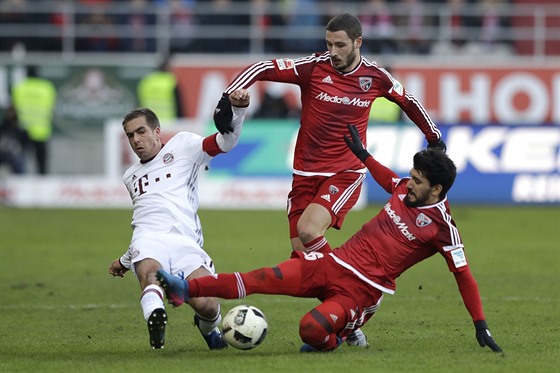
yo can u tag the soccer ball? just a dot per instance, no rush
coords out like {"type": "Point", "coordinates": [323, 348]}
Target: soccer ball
{"type": "Point", "coordinates": [244, 327]}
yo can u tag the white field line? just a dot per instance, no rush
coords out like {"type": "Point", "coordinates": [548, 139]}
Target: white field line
{"type": "Point", "coordinates": [276, 299]}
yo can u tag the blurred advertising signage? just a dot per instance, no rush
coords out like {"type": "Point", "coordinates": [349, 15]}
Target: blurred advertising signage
{"type": "Point", "coordinates": [506, 94]}
{"type": "Point", "coordinates": [496, 164]}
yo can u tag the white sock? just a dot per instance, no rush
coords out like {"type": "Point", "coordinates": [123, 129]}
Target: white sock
{"type": "Point", "coordinates": [152, 298]}
{"type": "Point", "coordinates": [207, 326]}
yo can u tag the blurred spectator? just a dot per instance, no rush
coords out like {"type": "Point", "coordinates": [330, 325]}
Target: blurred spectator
{"type": "Point", "coordinates": [138, 20]}
{"type": "Point", "coordinates": [378, 28]}
{"type": "Point", "coordinates": [181, 22]}
{"type": "Point", "coordinates": [216, 14]}
{"type": "Point", "coordinates": [275, 104]}
{"type": "Point", "coordinates": [493, 25]}
{"type": "Point", "coordinates": [159, 91]}
{"type": "Point", "coordinates": [456, 23]}
{"type": "Point", "coordinates": [93, 17]}
{"type": "Point", "coordinates": [459, 22]}
{"type": "Point", "coordinates": [34, 99]}
{"type": "Point", "coordinates": [302, 19]}
{"type": "Point", "coordinates": [13, 140]}
{"type": "Point", "coordinates": [267, 14]}
{"type": "Point", "coordinates": [414, 22]}
{"type": "Point", "coordinates": [16, 12]}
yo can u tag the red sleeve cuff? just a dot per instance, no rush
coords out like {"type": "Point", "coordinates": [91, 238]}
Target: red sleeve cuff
{"type": "Point", "coordinates": [210, 145]}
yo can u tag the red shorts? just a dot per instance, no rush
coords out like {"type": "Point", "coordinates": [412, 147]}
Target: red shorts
{"type": "Point", "coordinates": [337, 193]}
{"type": "Point", "coordinates": [324, 279]}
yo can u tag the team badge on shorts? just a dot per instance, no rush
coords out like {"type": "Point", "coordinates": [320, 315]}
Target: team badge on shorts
{"type": "Point", "coordinates": [422, 220]}
{"type": "Point", "coordinates": [365, 83]}
{"type": "Point", "coordinates": [333, 189]}
{"type": "Point", "coordinates": [168, 158]}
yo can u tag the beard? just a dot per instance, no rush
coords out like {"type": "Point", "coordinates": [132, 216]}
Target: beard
{"type": "Point", "coordinates": [420, 200]}
{"type": "Point", "coordinates": [349, 61]}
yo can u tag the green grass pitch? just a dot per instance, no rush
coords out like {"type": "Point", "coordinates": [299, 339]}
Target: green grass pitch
{"type": "Point", "coordinates": [60, 311]}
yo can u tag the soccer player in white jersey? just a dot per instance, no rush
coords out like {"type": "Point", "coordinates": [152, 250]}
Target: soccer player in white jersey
{"type": "Point", "coordinates": [167, 233]}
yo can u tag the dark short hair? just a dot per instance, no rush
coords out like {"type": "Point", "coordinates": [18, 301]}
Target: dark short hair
{"type": "Point", "coordinates": [348, 23]}
{"type": "Point", "coordinates": [151, 117]}
{"type": "Point", "coordinates": [437, 167]}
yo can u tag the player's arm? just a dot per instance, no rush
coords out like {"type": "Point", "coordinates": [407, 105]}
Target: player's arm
{"type": "Point", "coordinates": [471, 298]}
{"type": "Point", "coordinates": [384, 176]}
{"type": "Point", "coordinates": [283, 70]}
{"type": "Point", "coordinates": [396, 93]}
{"type": "Point", "coordinates": [229, 115]}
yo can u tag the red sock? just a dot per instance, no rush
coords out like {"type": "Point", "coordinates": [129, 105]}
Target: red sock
{"type": "Point", "coordinates": [223, 286]}
{"type": "Point", "coordinates": [318, 245]}
{"type": "Point", "coordinates": [284, 279]}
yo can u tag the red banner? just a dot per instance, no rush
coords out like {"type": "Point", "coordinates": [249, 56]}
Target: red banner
{"type": "Point", "coordinates": [504, 94]}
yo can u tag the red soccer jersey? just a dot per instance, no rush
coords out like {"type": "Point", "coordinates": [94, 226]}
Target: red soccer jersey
{"type": "Point", "coordinates": [399, 237]}
{"type": "Point", "coordinates": [330, 100]}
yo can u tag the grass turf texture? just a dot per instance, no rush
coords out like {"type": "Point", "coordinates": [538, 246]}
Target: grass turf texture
{"type": "Point", "coordinates": [60, 311]}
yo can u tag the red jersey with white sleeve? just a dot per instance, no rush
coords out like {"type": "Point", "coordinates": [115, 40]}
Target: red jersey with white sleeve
{"type": "Point", "coordinates": [330, 100]}
{"type": "Point", "coordinates": [400, 236]}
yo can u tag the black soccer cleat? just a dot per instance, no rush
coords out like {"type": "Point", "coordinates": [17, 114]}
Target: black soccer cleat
{"type": "Point", "coordinates": [156, 327]}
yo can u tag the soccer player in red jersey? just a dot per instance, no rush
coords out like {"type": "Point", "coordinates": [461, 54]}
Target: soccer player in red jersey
{"type": "Point", "coordinates": [337, 86]}
{"type": "Point", "coordinates": [350, 281]}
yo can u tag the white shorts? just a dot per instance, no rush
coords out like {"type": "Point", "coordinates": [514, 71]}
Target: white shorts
{"type": "Point", "coordinates": [177, 254]}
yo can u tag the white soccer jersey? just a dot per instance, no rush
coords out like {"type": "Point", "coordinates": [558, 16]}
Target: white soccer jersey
{"type": "Point", "coordinates": [164, 191]}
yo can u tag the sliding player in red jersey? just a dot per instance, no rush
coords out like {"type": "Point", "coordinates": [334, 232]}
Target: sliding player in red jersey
{"type": "Point", "coordinates": [350, 281]}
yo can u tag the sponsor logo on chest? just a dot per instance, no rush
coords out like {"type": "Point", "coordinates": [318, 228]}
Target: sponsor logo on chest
{"type": "Point", "coordinates": [397, 221]}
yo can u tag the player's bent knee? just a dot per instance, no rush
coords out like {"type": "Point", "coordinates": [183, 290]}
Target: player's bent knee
{"type": "Point", "coordinates": [311, 332]}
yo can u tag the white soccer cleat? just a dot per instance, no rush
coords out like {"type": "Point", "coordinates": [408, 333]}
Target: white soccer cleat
{"type": "Point", "coordinates": [357, 338]}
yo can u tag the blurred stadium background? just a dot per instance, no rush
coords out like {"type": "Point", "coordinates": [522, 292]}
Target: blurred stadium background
{"type": "Point", "coordinates": [488, 72]}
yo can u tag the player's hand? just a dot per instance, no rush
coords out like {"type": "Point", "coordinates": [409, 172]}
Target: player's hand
{"type": "Point", "coordinates": [355, 144]}
{"type": "Point", "coordinates": [223, 115]}
{"type": "Point", "coordinates": [484, 337]}
{"type": "Point", "coordinates": [240, 98]}
{"type": "Point", "coordinates": [438, 144]}
{"type": "Point", "coordinates": [117, 269]}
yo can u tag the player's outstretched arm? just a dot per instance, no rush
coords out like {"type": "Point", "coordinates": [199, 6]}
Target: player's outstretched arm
{"type": "Point", "coordinates": [471, 298]}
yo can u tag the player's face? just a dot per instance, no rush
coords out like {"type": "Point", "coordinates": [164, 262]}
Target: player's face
{"type": "Point", "coordinates": [145, 142]}
{"type": "Point", "coordinates": [345, 54]}
{"type": "Point", "coordinates": [420, 193]}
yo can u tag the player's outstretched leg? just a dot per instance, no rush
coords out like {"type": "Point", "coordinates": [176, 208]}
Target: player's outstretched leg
{"type": "Point", "coordinates": [156, 327]}
{"type": "Point", "coordinates": [176, 289]}
{"type": "Point", "coordinates": [214, 340]}
{"type": "Point", "coordinates": [357, 338]}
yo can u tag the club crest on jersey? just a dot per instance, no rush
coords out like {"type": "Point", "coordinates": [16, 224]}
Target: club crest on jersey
{"type": "Point", "coordinates": [285, 63]}
{"type": "Point", "coordinates": [365, 83]}
{"type": "Point", "coordinates": [168, 158]}
{"type": "Point", "coordinates": [422, 220]}
{"type": "Point", "coordinates": [333, 189]}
